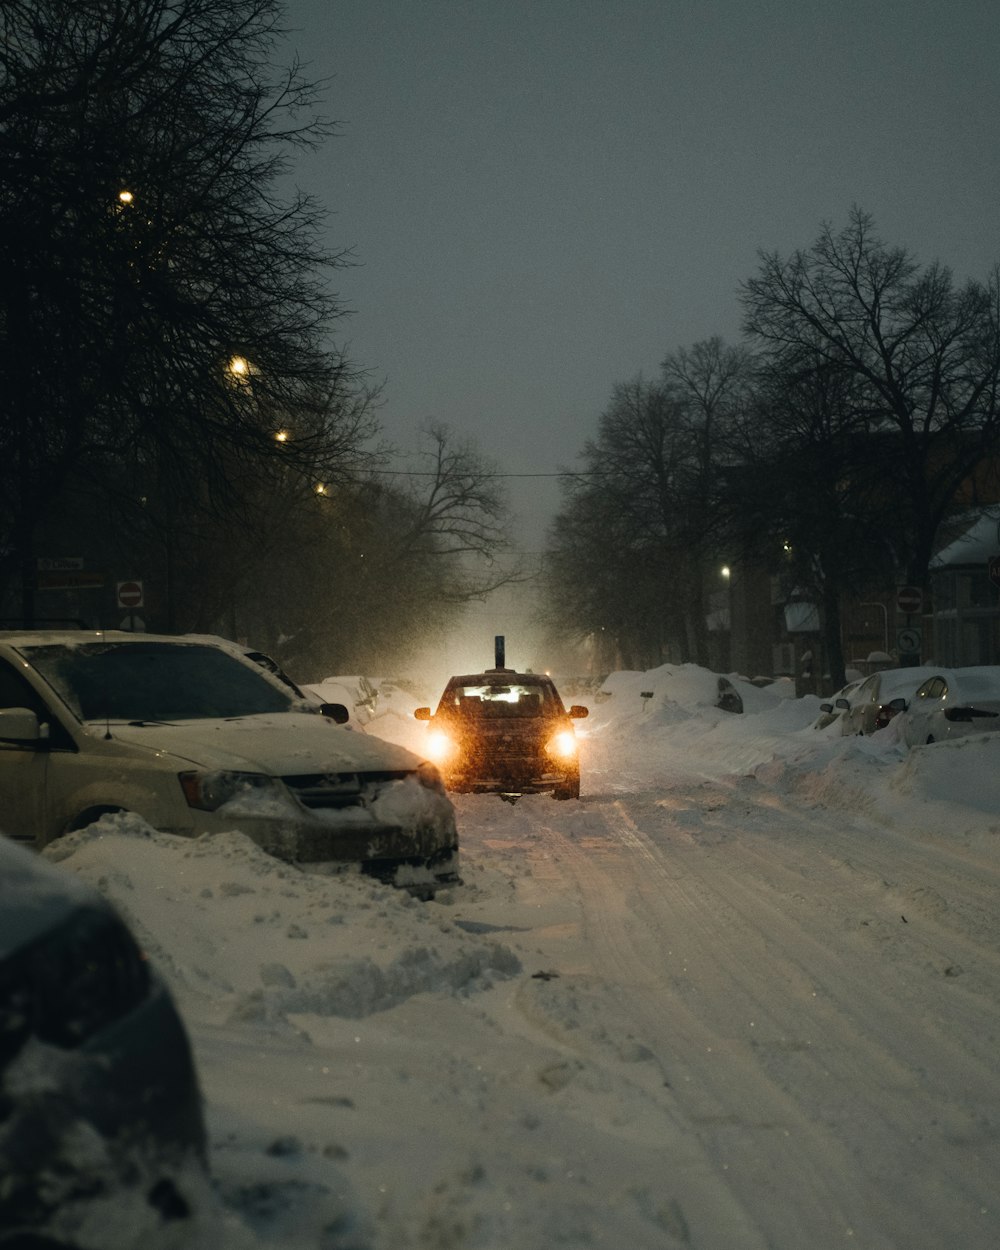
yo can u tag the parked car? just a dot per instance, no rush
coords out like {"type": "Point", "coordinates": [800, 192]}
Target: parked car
{"type": "Point", "coordinates": [953, 703]}
{"type": "Point", "coordinates": [837, 707]}
{"type": "Point", "coordinates": [198, 740]}
{"type": "Point", "coordinates": [505, 732]}
{"type": "Point", "coordinates": [97, 1084]}
{"type": "Point", "coordinates": [880, 697]}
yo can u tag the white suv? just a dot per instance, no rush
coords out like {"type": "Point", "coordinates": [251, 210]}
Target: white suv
{"type": "Point", "coordinates": [197, 740]}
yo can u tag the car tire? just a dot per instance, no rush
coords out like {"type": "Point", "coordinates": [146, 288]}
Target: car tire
{"type": "Point", "coordinates": [930, 739]}
{"type": "Point", "coordinates": [90, 816]}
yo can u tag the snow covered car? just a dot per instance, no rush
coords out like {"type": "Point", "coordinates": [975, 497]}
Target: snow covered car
{"type": "Point", "coordinates": [505, 732]}
{"type": "Point", "coordinates": [97, 1085]}
{"type": "Point", "coordinates": [952, 703]}
{"type": "Point", "coordinates": [880, 697]}
{"type": "Point", "coordinates": [838, 706]}
{"type": "Point", "coordinates": [197, 740]}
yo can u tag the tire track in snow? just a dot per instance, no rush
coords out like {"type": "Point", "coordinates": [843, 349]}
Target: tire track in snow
{"type": "Point", "coordinates": [774, 1082]}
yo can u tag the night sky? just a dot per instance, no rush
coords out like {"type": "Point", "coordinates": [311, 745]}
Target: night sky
{"type": "Point", "coordinates": [544, 197]}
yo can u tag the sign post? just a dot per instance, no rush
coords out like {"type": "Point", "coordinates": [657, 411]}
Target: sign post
{"type": "Point", "coordinates": [909, 639]}
{"type": "Point", "coordinates": [993, 569]}
{"type": "Point", "coordinates": [130, 597]}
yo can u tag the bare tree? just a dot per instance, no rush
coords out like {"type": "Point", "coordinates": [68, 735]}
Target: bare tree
{"type": "Point", "coordinates": [163, 309]}
{"type": "Point", "coordinates": [923, 354]}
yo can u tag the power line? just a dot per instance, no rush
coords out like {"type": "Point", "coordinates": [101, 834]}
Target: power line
{"type": "Point", "coordinates": [429, 473]}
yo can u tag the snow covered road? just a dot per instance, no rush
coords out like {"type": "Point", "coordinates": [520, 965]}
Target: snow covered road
{"type": "Point", "coordinates": [742, 995]}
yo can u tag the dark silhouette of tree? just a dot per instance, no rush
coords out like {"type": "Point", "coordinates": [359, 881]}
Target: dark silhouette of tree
{"type": "Point", "coordinates": [164, 311]}
{"type": "Point", "coordinates": [922, 357]}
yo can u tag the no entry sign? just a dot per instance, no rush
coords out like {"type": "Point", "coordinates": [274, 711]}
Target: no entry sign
{"type": "Point", "coordinates": [130, 595]}
{"type": "Point", "coordinates": [909, 599]}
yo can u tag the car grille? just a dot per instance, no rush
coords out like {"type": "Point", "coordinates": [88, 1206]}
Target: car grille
{"type": "Point", "coordinates": [339, 790]}
{"type": "Point", "coordinates": [71, 984]}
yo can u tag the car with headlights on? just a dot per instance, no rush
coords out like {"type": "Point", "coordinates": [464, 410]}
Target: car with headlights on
{"type": "Point", "coordinates": [198, 740]}
{"type": "Point", "coordinates": [98, 1090]}
{"type": "Point", "coordinates": [505, 732]}
{"type": "Point", "coordinates": [953, 703]}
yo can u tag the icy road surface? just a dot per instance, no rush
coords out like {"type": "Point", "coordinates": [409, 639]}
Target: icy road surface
{"type": "Point", "coordinates": [742, 995]}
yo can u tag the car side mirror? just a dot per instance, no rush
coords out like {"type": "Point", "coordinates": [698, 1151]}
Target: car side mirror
{"type": "Point", "coordinates": [336, 712]}
{"type": "Point", "coordinates": [578, 711]}
{"type": "Point", "coordinates": [843, 705]}
{"type": "Point", "coordinates": [422, 713]}
{"type": "Point", "coordinates": [898, 705]}
{"type": "Point", "coordinates": [20, 724]}
{"type": "Point", "coordinates": [826, 707]}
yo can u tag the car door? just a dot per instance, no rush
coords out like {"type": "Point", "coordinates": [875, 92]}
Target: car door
{"type": "Point", "coordinates": [23, 766]}
{"type": "Point", "coordinates": [924, 707]}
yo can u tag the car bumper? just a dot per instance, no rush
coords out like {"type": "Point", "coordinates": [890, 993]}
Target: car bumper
{"type": "Point", "coordinates": [389, 851]}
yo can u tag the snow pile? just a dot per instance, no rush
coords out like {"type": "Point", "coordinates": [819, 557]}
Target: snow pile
{"type": "Point", "coordinates": [556, 1052]}
{"type": "Point", "coordinates": [263, 940]}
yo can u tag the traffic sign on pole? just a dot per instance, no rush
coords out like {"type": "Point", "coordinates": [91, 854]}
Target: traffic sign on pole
{"type": "Point", "coordinates": [909, 599]}
{"type": "Point", "coordinates": [130, 595]}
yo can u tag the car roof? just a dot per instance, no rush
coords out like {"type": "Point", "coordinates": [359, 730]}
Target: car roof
{"type": "Point", "coordinates": [501, 677]}
{"type": "Point", "coordinates": [80, 637]}
{"type": "Point", "coordinates": [35, 896]}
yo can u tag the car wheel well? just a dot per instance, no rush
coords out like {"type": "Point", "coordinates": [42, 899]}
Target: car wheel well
{"type": "Point", "coordinates": [90, 814]}
{"type": "Point", "coordinates": [930, 739]}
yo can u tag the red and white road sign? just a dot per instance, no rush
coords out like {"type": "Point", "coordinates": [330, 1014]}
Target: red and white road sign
{"type": "Point", "coordinates": [130, 595]}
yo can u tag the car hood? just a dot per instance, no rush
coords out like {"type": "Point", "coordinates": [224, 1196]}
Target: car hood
{"type": "Point", "coordinates": [280, 744]}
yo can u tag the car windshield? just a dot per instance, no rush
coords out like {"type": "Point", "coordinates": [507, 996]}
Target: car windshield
{"type": "Point", "coordinates": [489, 701]}
{"type": "Point", "coordinates": [155, 681]}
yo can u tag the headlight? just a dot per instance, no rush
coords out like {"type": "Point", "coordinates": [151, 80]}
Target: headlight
{"type": "Point", "coordinates": [208, 791]}
{"type": "Point", "coordinates": [563, 745]}
{"type": "Point", "coordinates": [429, 776]}
{"type": "Point", "coordinates": [439, 746]}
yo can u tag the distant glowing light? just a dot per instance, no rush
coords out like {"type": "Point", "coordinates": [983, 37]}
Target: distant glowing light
{"type": "Point", "coordinates": [320, 488]}
{"type": "Point", "coordinates": [239, 367]}
{"type": "Point", "coordinates": [125, 197]}
{"type": "Point", "coordinates": [725, 570]}
{"type": "Point", "coordinates": [281, 436]}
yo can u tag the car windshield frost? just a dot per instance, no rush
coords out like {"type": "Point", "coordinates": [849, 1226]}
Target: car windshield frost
{"type": "Point", "coordinates": [155, 681]}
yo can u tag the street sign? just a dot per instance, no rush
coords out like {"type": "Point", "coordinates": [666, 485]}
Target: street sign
{"type": "Point", "coordinates": [908, 641]}
{"type": "Point", "coordinates": [909, 599]}
{"type": "Point", "coordinates": [69, 579]}
{"type": "Point", "coordinates": [51, 564]}
{"type": "Point", "coordinates": [130, 595]}
{"type": "Point", "coordinates": [993, 568]}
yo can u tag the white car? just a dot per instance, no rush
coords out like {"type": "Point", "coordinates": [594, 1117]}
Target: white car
{"type": "Point", "coordinates": [953, 703]}
{"type": "Point", "coordinates": [198, 740]}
